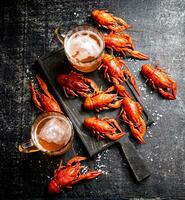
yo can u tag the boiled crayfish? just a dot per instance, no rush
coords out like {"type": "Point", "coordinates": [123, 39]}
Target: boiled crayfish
{"type": "Point", "coordinates": [131, 114]}
{"type": "Point", "coordinates": [160, 80]}
{"type": "Point", "coordinates": [44, 101]}
{"type": "Point", "coordinates": [104, 128]}
{"type": "Point", "coordinates": [123, 43]}
{"type": "Point", "coordinates": [102, 100]}
{"type": "Point", "coordinates": [66, 176]}
{"type": "Point", "coordinates": [108, 21]}
{"type": "Point", "coordinates": [75, 84]}
{"type": "Point", "coordinates": [113, 70]}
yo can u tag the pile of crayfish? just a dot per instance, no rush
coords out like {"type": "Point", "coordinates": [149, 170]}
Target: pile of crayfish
{"type": "Point", "coordinates": [116, 96]}
{"type": "Point", "coordinates": [113, 97]}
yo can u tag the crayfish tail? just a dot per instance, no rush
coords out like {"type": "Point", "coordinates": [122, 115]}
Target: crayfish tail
{"type": "Point", "coordinates": [53, 187]}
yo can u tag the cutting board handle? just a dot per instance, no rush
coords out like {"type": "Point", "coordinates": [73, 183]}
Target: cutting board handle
{"type": "Point", "coordinates": [136, 163]}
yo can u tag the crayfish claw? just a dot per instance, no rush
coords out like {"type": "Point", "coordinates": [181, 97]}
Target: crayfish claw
{"type": "Point", "coordinates": [139, 55]}
{"type": "Point", "coordinates": [91, 174]}
{"type": "Point", "coordinates": [43, 86]}
{"type": "Point", "coordinates": [115, 136]}
{"type": "Point", "coordinates": [76, 159]}
{"type": "Point", "coordinates": [34, 93]}
{"type": "Point", "coordinates": [166, 95]}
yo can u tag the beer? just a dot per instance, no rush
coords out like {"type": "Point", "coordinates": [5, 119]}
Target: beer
{"type": "Point", "coordinates": [53, 133]}
{"type": "Point", "coordinates": [84, 48]}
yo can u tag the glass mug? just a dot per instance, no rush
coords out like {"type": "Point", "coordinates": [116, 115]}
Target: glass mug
{"type": "Point", "coordinates": [51, 132]}
{"type": "Point", "coordinates": [84, 47]}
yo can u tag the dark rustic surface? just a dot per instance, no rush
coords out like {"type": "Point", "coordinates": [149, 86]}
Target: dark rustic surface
{"type": "Point", "coordinates": [25, 32]}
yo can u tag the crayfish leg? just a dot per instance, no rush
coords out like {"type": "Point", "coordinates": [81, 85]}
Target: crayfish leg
{"type": "Point", "coordinates": [82, 94]}
{"type": "Point", "coordinates": [115, 105]}
{"type": "Point", "coordinates": [124, 116]}
{"type": "Point", "coordinates": [70, 92]}
{"type": "Point", "coordinates": [121, 21]}
{"type": "Point", "coordinates": [140, 109]}
{"type": "Point", "coordinates": [110, 89]}
{"type": "Point", "coordinates": [92, 84]}
{"type": "Point", "coordinates": [115, 123]}
{"type": "Point", "coordinates": [174, 90]}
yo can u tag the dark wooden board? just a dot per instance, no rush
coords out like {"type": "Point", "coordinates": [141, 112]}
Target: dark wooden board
{"type": "Point", "coordinates": [26, 31]}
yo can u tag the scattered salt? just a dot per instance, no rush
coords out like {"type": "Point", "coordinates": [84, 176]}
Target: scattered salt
{"type": "Point", "coordinates": [101, 167]}
{"type": "Point", "coordinates": [84, 170]}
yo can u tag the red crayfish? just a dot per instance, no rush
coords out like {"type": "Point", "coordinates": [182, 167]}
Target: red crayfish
{"type": "Point", "coordinates": [123, 43]}
{"type": "Point", "coordinates": [160, 80]}
{"type": "Point", "coordinates": [75, 84]}
{"type": "Point", "coordinates": [131, 114]}
{"type": "Point", "coordinates": [44, 101]}
{"type": "Point", "coordinates": [104, 127]}
{"type": "Point", "coordinates": [66, 176]}
{"type": "Point", "coordinates": [108, 21]}
{"type": "Point", "coordinates": [113, 70]}
{"type": "Point", "coordinates": [102, 100]}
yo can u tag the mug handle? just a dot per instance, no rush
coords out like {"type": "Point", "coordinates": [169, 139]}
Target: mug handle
{"type": "Point", "coordinates": [27, 147]}
{"type": "Point", "coordinates": [58, 35]}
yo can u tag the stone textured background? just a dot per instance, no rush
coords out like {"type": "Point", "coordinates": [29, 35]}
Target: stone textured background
{"type": "Point", "coordinates": [26, 32]}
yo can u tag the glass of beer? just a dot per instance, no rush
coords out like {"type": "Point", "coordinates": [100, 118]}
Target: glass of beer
{"type": "Point", "coordinates": [51, 132]}
{"type": "Point", "coordinates": [84, 47]}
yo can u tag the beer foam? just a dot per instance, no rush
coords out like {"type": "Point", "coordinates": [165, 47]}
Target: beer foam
{"type": "Point", "coordinates": [56, 131]}
{"type": "Point", "coordinates": [84, 46]}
